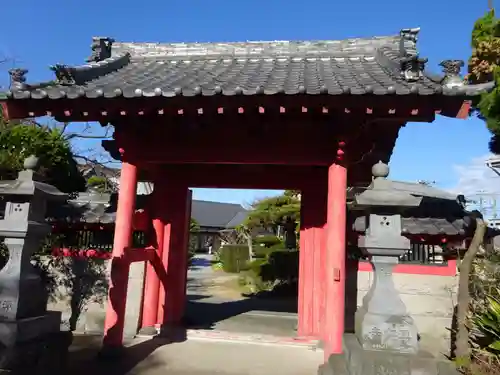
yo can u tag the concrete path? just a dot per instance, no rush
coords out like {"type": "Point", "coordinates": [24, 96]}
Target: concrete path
{"type": "Point", "coordinates": [203, 357]}
{"type": "Point", "coordinates": [210, 308]}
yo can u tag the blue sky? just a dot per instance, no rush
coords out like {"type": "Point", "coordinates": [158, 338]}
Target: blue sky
{"type": "Point", "coordinates": [40, 33]}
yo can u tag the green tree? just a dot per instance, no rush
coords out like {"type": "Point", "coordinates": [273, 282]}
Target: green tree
{"type": "Point", "coordinates": [99, 184]}
{"type": "Point", "coordinates": [282, 211]}
{"type": "Point", "coordinates": [57, 165]}
{"type": "Point", "coordinates": [484, 66]}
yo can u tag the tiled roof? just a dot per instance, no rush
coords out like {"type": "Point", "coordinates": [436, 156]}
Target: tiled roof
{"type": "Point", "coordinates": [379, 66]}
{"type": "Point", "coordinates": [101, 208]}
{"type": "Point", "coordinates": [215, 214]}
{"type": "Point", "coordinates": [424, 226]}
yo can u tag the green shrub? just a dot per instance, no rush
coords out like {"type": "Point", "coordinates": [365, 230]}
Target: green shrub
{"type": "Point", "coordinates": [282, 266]}
{"type": "Point", "coordinates": [234, 258]}
{"type": "Point", "coordinates": [280, 269]}
{"type": "Point", "coordinates": [252, 277]}
{"type": "Point", "coordinates": [488, 325]}
{"type": "Point", "coordinates": [268, 241]}
{"type": "Point", "coordinates": [262, 252]}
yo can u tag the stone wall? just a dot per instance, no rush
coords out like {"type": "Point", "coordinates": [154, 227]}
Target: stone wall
{"type": "Point", "coordinates": [430, 301]}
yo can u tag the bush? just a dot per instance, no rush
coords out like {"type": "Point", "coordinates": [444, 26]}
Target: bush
{"type": "Point", "coordinates": [265, 252]}
{"type": "Point", "coordinates": [234, 258]}
{"type": "Point", "coordinates": [280, 270]}
{"type": "Point", "coordinates": [268, 241]}
{"type": "Point", "coordinates": [487, 324]}
{"type": "Point", "coordinates": [252, 277]}
{"type": "Point", "coordinates": [262, 252]}
{"type": "Point", "coordinates": [282, 266]}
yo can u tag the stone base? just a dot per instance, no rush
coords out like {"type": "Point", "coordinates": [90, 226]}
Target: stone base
{"type": "Point", "coordinates": [173, 333]}
{"type": "Point", "coordinates": [44, 355]}
{"type": "Point", "coordinates": [148, 331]}
{"type": "Point", "coordinates": [358, 361]}
{"type": "Point", "coordinates": [12, 332]}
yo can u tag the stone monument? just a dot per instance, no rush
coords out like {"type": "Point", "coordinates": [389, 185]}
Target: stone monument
{"type": "Point", "coordinates": [386, 338]}
{"type": "Point", "coordinates": [30, 337]}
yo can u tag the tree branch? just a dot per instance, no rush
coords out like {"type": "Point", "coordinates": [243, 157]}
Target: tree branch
{"type": "Point", "coordinates": [462, 350]}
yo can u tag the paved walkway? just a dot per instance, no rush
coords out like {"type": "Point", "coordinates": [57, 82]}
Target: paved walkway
{"type": "Point", "coordinates": [228, 334]}
{"type": "Point", "coordinates": [197, 357]}
{"type": "Point", "coordinates": [212, 306]}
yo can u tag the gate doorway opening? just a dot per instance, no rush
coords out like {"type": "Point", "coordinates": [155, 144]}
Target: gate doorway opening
{"type": "Point", "coordinates": [242, 276]}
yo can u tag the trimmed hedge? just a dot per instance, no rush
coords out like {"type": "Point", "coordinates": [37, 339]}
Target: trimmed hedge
{"type": "Point", "coordinates": [234, 258]}
{"type": "Point", "coordinates": [268, 241]}
{"type": "Point", "coordinates": [279, 269]}
{"type": "Point", "coordinates": [282, 265]}
{"type": "Point", "coordinates": [262, 252]}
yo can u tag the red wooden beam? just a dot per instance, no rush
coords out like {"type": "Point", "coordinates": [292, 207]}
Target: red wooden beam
{"type": "Point", "coordinates": [243, 177]}
{"type": "Point", "coordinates": [84, 109]}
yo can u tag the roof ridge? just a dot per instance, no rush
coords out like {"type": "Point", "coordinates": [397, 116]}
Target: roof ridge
{"type": "Point", "coordinates": [234, 204]}
{"type": "Point", "coordinates": [258, 49]}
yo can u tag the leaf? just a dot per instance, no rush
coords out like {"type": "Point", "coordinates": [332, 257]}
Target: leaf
{"type": "Point", "coordinates": [495, 345]}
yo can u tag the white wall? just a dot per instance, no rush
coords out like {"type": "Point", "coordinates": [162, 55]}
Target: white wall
{"type": "Point", "coordinates": [430, 301]}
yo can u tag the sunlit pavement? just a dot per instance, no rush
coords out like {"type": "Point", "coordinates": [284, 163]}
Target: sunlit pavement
{"type": "Point", "coordinates": [197, 357]}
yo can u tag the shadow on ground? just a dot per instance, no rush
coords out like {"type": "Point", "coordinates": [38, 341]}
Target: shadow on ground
{"type": "Point", "coordinates": [204, 313]}
{"type": "Point", "coordinates": [84, 357]}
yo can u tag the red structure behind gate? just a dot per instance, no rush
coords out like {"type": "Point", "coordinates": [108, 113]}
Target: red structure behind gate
{"type": "Point", "coordinates": [310, 116]}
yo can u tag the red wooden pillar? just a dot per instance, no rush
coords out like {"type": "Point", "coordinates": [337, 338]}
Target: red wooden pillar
{"type": "Point", "coordinates": [335, 260]}
{"type": "Point", "coordinates": [311, 270]}
{"type": "Point", "coordinates": [183, 267]}
{"type": "Point", "coordinates": [171, 299]}
{"type": "Point", "coordinates": [152, 280]}
{"type": "Point", "coordinates": [115, 312]}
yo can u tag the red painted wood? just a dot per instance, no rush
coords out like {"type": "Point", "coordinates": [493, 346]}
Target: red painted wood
{"type": "Point", "coordinates": [180, 306]}
{"type": "Point", "coordinates": [311, 272]}
{"type": "Point", "coordinates": [152, 280]}
{"type": "Point", "coordinates": [117, 295]}
{"type": "Point", "coordinates": [335, 260]}
{"type": "Point", "coordinates": [173, 245]}
{"type": "Point", "coordinates": [99, 109]}
{"type": "Point", "coordinates": [249, 176]}
{"type": "Point", "coordinates": [305, 297]}
{"type": "Point", "coordinates": [298, 146]}
{"type": "Point", "coordinates": [141, 220]}
{"type": "Point", "coordinates": [450, 269]}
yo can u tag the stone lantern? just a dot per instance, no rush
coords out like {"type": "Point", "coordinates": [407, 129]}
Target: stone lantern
{"type": "Point", "coordinates": [386, 337]}
{"type": "Point", "coordinates": [385, 323]}
{"type": "Point", "coordinates": [27, 329]}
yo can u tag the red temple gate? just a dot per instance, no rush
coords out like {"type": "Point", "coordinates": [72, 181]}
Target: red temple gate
{"type": "Point", "coordinates": [311, 116]}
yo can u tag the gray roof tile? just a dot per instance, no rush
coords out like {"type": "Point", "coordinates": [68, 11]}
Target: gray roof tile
{"type": "Point", "coordinates": [101, 208]}
{"type": "Point", "coordinates": [424, 225]}
{"type": "Point", "coordinates": [378, 66]}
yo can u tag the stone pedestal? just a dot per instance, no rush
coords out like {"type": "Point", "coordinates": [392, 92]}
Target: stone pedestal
{"type": "Point", "coordinates": [355, 360]}
{"type": "Point", "coordinates": [385, 323]}
{"type": "Point", "coordinates": [30, 338]}
{"type": "Point", "coordinates": [34, 345]}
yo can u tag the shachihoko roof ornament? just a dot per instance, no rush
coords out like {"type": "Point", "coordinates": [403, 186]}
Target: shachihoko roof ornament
{"type": "Point", "coordinates": [387, 65]}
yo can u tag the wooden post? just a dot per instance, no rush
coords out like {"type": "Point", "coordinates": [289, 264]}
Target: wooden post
{"type": "Point", "coordinates": [335, 260]}
{"type": "Point", "coordinates": [174, 254]}
{"type": "Point", "coordinates": [115, 312]}
{"type": "Point", "coordinates": [311, 262]}
{"type": "Point", "coordinates": [183, 267]}
{"type": "Point", "coordinates": [152, 280]}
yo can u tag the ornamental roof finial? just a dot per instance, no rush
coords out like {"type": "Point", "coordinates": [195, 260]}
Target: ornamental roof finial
{"type": "Point", "coordinates": [101, 48]}
{"type": "Point", "coordinates": [18, 78]}
{"type": "Point", "coordinates": [451, 70]}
